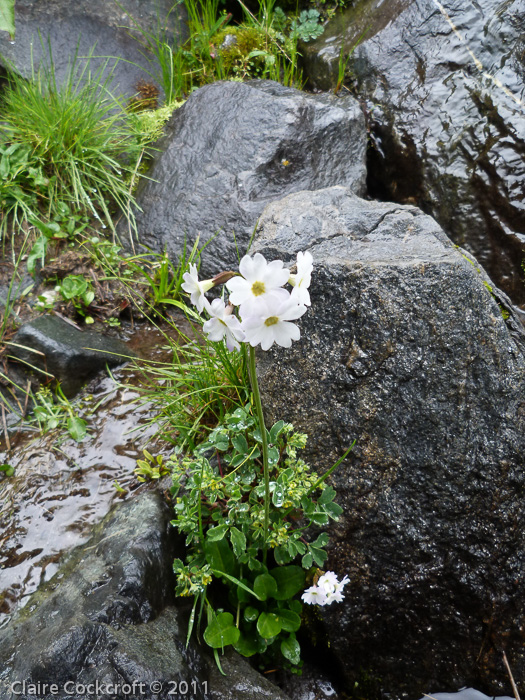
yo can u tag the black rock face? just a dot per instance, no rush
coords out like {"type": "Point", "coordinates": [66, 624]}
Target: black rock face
{"type": "Point", "coordinates": [233, 148]}
{"type": "Point", "coordinates": [443, 88]}
{"type": "Point", "coordinates": [409, 349]}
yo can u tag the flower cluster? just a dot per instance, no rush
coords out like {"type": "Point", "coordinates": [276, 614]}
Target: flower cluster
{"type": "Point", "coordinates": [327, 591]}
{"type": "Point", "coordinates": [265, 308]}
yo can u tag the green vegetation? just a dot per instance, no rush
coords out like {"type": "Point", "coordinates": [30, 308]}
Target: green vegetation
{"type": "Point", "coordinates": [65, 149]}
{"type": "Point", "coordinates": [262, 45]}
{"type": "Point", "coordinates": [250, 595]}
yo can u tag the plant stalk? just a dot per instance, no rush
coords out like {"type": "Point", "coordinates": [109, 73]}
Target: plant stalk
{"type": "Point", "coordinates": [262, 427]}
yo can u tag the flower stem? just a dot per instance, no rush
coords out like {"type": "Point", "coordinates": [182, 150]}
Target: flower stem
{"type": "Point", "coordinates": [262, 427]}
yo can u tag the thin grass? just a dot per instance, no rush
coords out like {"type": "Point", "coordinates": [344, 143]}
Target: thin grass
{"type": "Point", "coordinates": [71, 143]}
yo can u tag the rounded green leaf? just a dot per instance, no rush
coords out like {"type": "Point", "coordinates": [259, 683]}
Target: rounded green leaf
{"type": "Point", "coordinates": [268, 625]}
{"type": "Point", "coordinates": [221, 631]}
{"type": "Point", "coordinates": [291, 650]}
{"type": "Point", "coordinates": [265, 586]}
{"type": "Point", "coordinates": [77, 428]}
{"type": "Point", "coordinates": [289, 580]}
{"type": "Point", "coordinates": [247, 645]}
{"type": "Point", "coordinates": [251, 614]}
{"type": "Point", "coordinates": [290, 621]}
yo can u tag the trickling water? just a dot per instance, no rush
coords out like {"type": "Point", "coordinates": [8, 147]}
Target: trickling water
{"type": "Point", "coordinates": [58, 493]}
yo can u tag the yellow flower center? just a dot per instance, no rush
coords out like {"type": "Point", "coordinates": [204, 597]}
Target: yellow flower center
{"type": "Point", "coordinates": [258, 288]}
{"type": "Point", "coordinates": [271, 321]}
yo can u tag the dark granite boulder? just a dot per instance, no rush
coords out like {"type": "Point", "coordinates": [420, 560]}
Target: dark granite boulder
{"type": "Point", "coordinates": [409, 349]}
{"type": "Point", "coordinates": [443, 89]}
{"type": "Point", "coordinates": [233, 148]}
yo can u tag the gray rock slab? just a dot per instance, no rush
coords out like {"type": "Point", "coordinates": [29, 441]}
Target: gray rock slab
{"type": "Point", "coordinates": [105, 626]}
{"type": "Point", "coordinates": [233, 148]}
{"type": "Point", "coordinates": [406, 350]}
{"type": "Point", "coordinates": [442, 86]}
{"type": "Point", "coordinates": [77, 29]}
{"type": "Point", "coordinates": [69, 354]}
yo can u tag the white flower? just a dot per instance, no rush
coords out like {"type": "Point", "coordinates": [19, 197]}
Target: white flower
{"type": "Point", "coordinates": [260, 281]}
{"type": "Point", "coordinates": [328, 581]}
{"type": "Point", "coordinates": [314, 596]}
{"type": "Point", "coordinates": [196, 289]}
{"type": "Point", "coordinates": [223, 324]}
{"type": "Point", "coordinates": [328, 590]}
{"type": "Point", "coordinates": [301, 281]}
{"type": "Point", "coordinates": [270, 323]}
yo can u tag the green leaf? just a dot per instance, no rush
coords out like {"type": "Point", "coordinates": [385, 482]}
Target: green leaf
{"type": "Point", "coordinates": [38, 252]}
{"type": "Point", "coordinates": [7, 16]}
{"type": "Point", "coordinates": [48, 229]}
{"type": "Point", "coordinates": [219, 556]}
{"type": "Point", "coordinates": [281, 555]}
{"type": "Point", "coordinates": [241, 444]}
{"type": "Point", "coordinates": [334, 510]}
{"type": "Point", "coordinates": [247, 645]}
{"type": "Point", "coordinates": [327, 496]}
{"type": "Point", "coordinates": [236, 581]}
{"type": "Point", "coordinates": [291, 650]}
{"type": "Point", "coordinates": [268, 625]}
{"type": "Point", "coordinates": [238, 541]}
{"type": "Point", "coordinates": [77, 428]}
{"type": "Point", "coordinates": [251, 613]}
{"type": "Point", "coordinates": [290, 621]}
{"type": "Point", "coordinates": [7, 469]}
{"type": "Point", "coordinates": [276, 431]}
{"type": "Point", "coordinates": [265, 587]}
{"type": "Point", "coordinates": [221, 631]}
{"type": "Point", "coordinates": [4, 164]}
{"type": "Point", "coordinates": [307, 561]}
{"type": "Point", "coordinates": [73, 286]}
{"type": "Point", "coordinates": [289, 581]}
{"type": "Point", "coordinates": [215, 534]}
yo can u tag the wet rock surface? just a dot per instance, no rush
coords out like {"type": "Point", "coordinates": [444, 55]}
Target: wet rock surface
{"type": "Point", "coordinates": [85, 27]}
{"type": "Point", "coordinates": [443, 88]}
{"type": "Point", "coordinates": [69, 354]}
{"type": "Point", "coordinates": [108, 618]}
{"type": "Point", "coordinates": [406, 350]}
{"type": "Point", "coordinates": [233, 148]}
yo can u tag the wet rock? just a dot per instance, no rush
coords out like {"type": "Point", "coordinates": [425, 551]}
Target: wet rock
{"type": "Point", "coordinates": [443, 86]}
{"type": "Point", "coordinates": [410, 350]}
{"type": "Point", "coordinates": [84, 27]}
{"type": "Point", "coordinates": [106, 620]}
{"type": "Point", "coordinates": [69, 354]}
{"type": "Point", "coordinates": [232, 149]}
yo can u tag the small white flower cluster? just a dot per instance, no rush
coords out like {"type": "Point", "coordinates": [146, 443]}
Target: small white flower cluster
{"type": "Point", "coordinates": [265, 308]}
{"type": "Point", "coordinates": [327, 591]}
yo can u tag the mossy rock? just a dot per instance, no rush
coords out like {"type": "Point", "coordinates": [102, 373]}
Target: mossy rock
{"type": "Point", "coordinates": [235, 54]}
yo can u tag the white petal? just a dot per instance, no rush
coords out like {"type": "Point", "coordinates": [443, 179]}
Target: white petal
{"type": "Point", "coordinates": [292, 311]}
{"type": "Point", "coordinates": [259, 266]}
{"type": "Point", "coordinates": [285, 332]}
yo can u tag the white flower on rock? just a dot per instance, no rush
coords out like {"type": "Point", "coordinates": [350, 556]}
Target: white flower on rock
{"type": "Point", "coordinates": [223, 324]}
{"type": "Point", "coordinates": [196, 289]}
{"type": "Point", "coordinates": [260, 282]}
{"type": "Point", "coordinates": [301, 281]}
{"type": "Point", "coordinates": [327, 591]}
{"type": "Point", "coordinates": [271, 323]}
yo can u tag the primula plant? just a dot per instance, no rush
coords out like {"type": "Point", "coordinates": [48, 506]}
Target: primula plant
{"type": "Point", "coordinates": [245, 500]}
